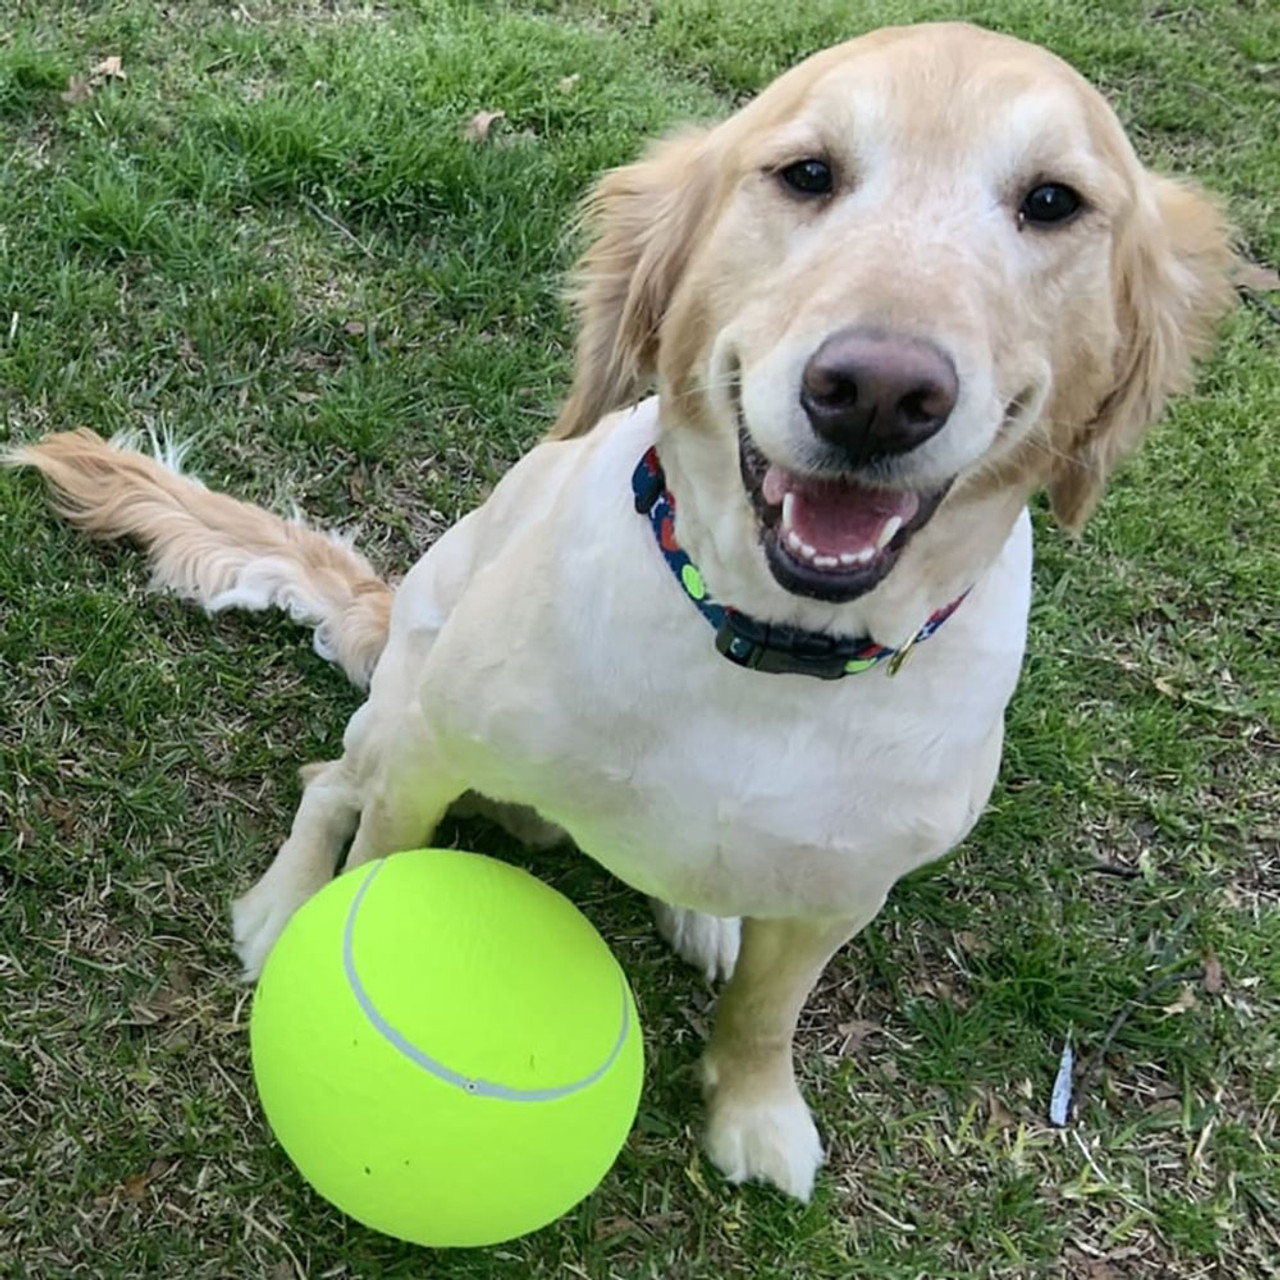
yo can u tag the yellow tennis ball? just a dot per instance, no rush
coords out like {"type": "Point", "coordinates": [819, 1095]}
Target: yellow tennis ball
{"type": "Point", "coordinates": [446, 1048]}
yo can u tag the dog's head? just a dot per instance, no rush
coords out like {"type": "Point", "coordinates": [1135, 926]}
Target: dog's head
{"type": "Point", "coordinates": [919, 260]}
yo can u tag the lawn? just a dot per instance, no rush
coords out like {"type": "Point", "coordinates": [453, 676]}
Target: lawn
{"type": "Point", "coordinates": [262, 231]}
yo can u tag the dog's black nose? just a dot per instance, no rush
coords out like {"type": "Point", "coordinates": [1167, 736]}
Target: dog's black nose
{"type": "Point", "coordinates": [874, 394]}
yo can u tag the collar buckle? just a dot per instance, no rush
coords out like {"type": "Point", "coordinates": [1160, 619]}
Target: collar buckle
{"type": "Point", "coordinates": [780, 650]}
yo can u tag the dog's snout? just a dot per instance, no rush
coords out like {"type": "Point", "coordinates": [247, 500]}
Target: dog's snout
{"type": "Point", "coordinates": [875, 394]}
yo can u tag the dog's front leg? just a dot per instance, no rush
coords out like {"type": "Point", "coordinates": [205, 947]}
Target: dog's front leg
{"type": "Point", "coordinates": [323, 824]}
{"type": "Point", "coordinates": [758, 1127]}
{"type": "Point", "coordinates": [400, 813]}
{"type": "Point", "coordinates": [387, 793]}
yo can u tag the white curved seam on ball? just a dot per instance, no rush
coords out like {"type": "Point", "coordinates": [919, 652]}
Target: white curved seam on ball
{"type": "Point", "coordinates": [477, 1088]}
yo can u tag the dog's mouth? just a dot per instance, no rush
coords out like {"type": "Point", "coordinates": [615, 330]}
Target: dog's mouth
{"type": "Point", "coordinates": [832, 537]}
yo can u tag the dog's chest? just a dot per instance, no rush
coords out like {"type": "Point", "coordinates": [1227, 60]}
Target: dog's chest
{"type": "Point", "coordinates": [741, 814]}
{"type": "Point", "coordinates": [731, 791]}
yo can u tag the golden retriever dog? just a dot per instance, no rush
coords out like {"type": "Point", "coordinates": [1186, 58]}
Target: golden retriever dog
{"type": "Point", "coordinates": [745, 627]}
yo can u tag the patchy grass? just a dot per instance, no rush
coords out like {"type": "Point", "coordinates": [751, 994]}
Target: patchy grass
{"type": "Point", "coordinates": [272, 239]}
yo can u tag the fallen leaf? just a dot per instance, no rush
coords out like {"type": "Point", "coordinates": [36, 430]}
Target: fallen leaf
{"type": "Point", "coordinates": [1101, 1269]}
{"type": "Point", "coordinates": [306, 397]}
{"type": "Point", "coordinates": [664, 1221]}
{"type": "Point", "coordinates": [478, 127]}
{"type": "Point", "coordinates": [608, 1227]}
{"type": "Point", "coordinates": [698, 1023]}
{"type": "Point", "coordinates": [78, 90]}
{"type": "Point", "coordinates": [167, 1000]}
{"type": "Point", "coordinates": [1000, 1115]}
{"type": "Point", "coordinates": [1086, 1268]}
{"type": "Point", "coordinates": [946, 990]}
{"type": "Point", "coordinates": [570, 83]}
{"type": "Point", "coordinates": [108, 69]}
{"type": "Point", "coordinates": [855, 1031]}
{"type": "Point", "coordinates": [1212, 974]}
{"type": "Point", "coordinates": [972, 944]}
{"type": "Point", "coordinates": [313, 361]}
{"type": "Point", "coordinates": [1186, 1000]}
{"type": "Point", "coordinates": [354, 327]}
{"type": "Point", "coordinates": [63, 815]}
{"type": "Point", "coordinates": [135, 1187]}
{"type": "Point", "coordinates": [1253, 275]}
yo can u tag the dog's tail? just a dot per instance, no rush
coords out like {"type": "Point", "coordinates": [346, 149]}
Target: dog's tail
{"type": "Point", "coordinates": [215, 550]}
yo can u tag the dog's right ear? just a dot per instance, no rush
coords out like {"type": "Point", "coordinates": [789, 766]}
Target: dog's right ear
{"type": "Point", "coordinates": [643, 220]}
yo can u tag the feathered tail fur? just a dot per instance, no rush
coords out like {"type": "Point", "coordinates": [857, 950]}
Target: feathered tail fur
{"type": "Point", "coordinates": [215, 550]}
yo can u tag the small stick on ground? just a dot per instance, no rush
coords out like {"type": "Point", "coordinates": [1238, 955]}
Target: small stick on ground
{"type": "Point", "coordinates": [1095, 1061]}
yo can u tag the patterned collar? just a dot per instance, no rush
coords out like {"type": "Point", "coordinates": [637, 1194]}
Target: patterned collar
{"type": "Point", "coordinates": [746, 642]}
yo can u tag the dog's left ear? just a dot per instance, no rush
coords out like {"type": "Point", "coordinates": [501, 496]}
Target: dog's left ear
{"type": "Point", "coordinates": [1171, 284]}
{"type": "Point", "coordinates": [643, 220]}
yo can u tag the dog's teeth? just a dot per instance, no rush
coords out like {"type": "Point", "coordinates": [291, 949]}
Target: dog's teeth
{"type": "Point", "coordinates": [850, 558]}
{"type": "Point", "coordinates": [889, 532]}
{"type": "Point", "coordinates": [788, 506]}
{"type": "Point", "coordinates": [801, 548]}
{"type": "Point", "coordinates": [825, 562]}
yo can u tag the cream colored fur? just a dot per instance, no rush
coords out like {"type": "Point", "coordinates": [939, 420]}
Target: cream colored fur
{"type": "Point", "coordinates": [540, 653]}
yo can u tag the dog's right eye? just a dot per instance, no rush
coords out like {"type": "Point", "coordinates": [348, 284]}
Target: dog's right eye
{"type": "Point", "coordinates": [808, 177]}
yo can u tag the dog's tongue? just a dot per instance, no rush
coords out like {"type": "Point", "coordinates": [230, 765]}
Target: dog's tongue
{"type": "Point", "coordinates": [838, 519]}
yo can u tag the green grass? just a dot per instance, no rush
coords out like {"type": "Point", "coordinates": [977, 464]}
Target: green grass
{"type": "Point", "coordinates": [271, 238]}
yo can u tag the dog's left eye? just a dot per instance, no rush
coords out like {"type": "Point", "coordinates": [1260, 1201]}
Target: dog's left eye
{"type": "Point", "coordinates": [808, 177]}
{"type": "Point", "coordinates": [1049, 203]}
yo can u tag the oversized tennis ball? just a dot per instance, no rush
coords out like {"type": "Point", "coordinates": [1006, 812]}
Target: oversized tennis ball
{"type": "Point", "coordinates": [446, 1048]}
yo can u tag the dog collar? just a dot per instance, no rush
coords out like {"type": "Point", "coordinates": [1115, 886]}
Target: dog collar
{"type": "Point", "coordinates": [747, 642]}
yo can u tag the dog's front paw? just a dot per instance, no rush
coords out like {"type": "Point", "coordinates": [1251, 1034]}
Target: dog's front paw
{"type": "Point", "coordinates": [763, 1139]}
{"type": "Point", "coordinates": [258, 918]}
{"type": "Point", "coordinates": [709, 943]}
